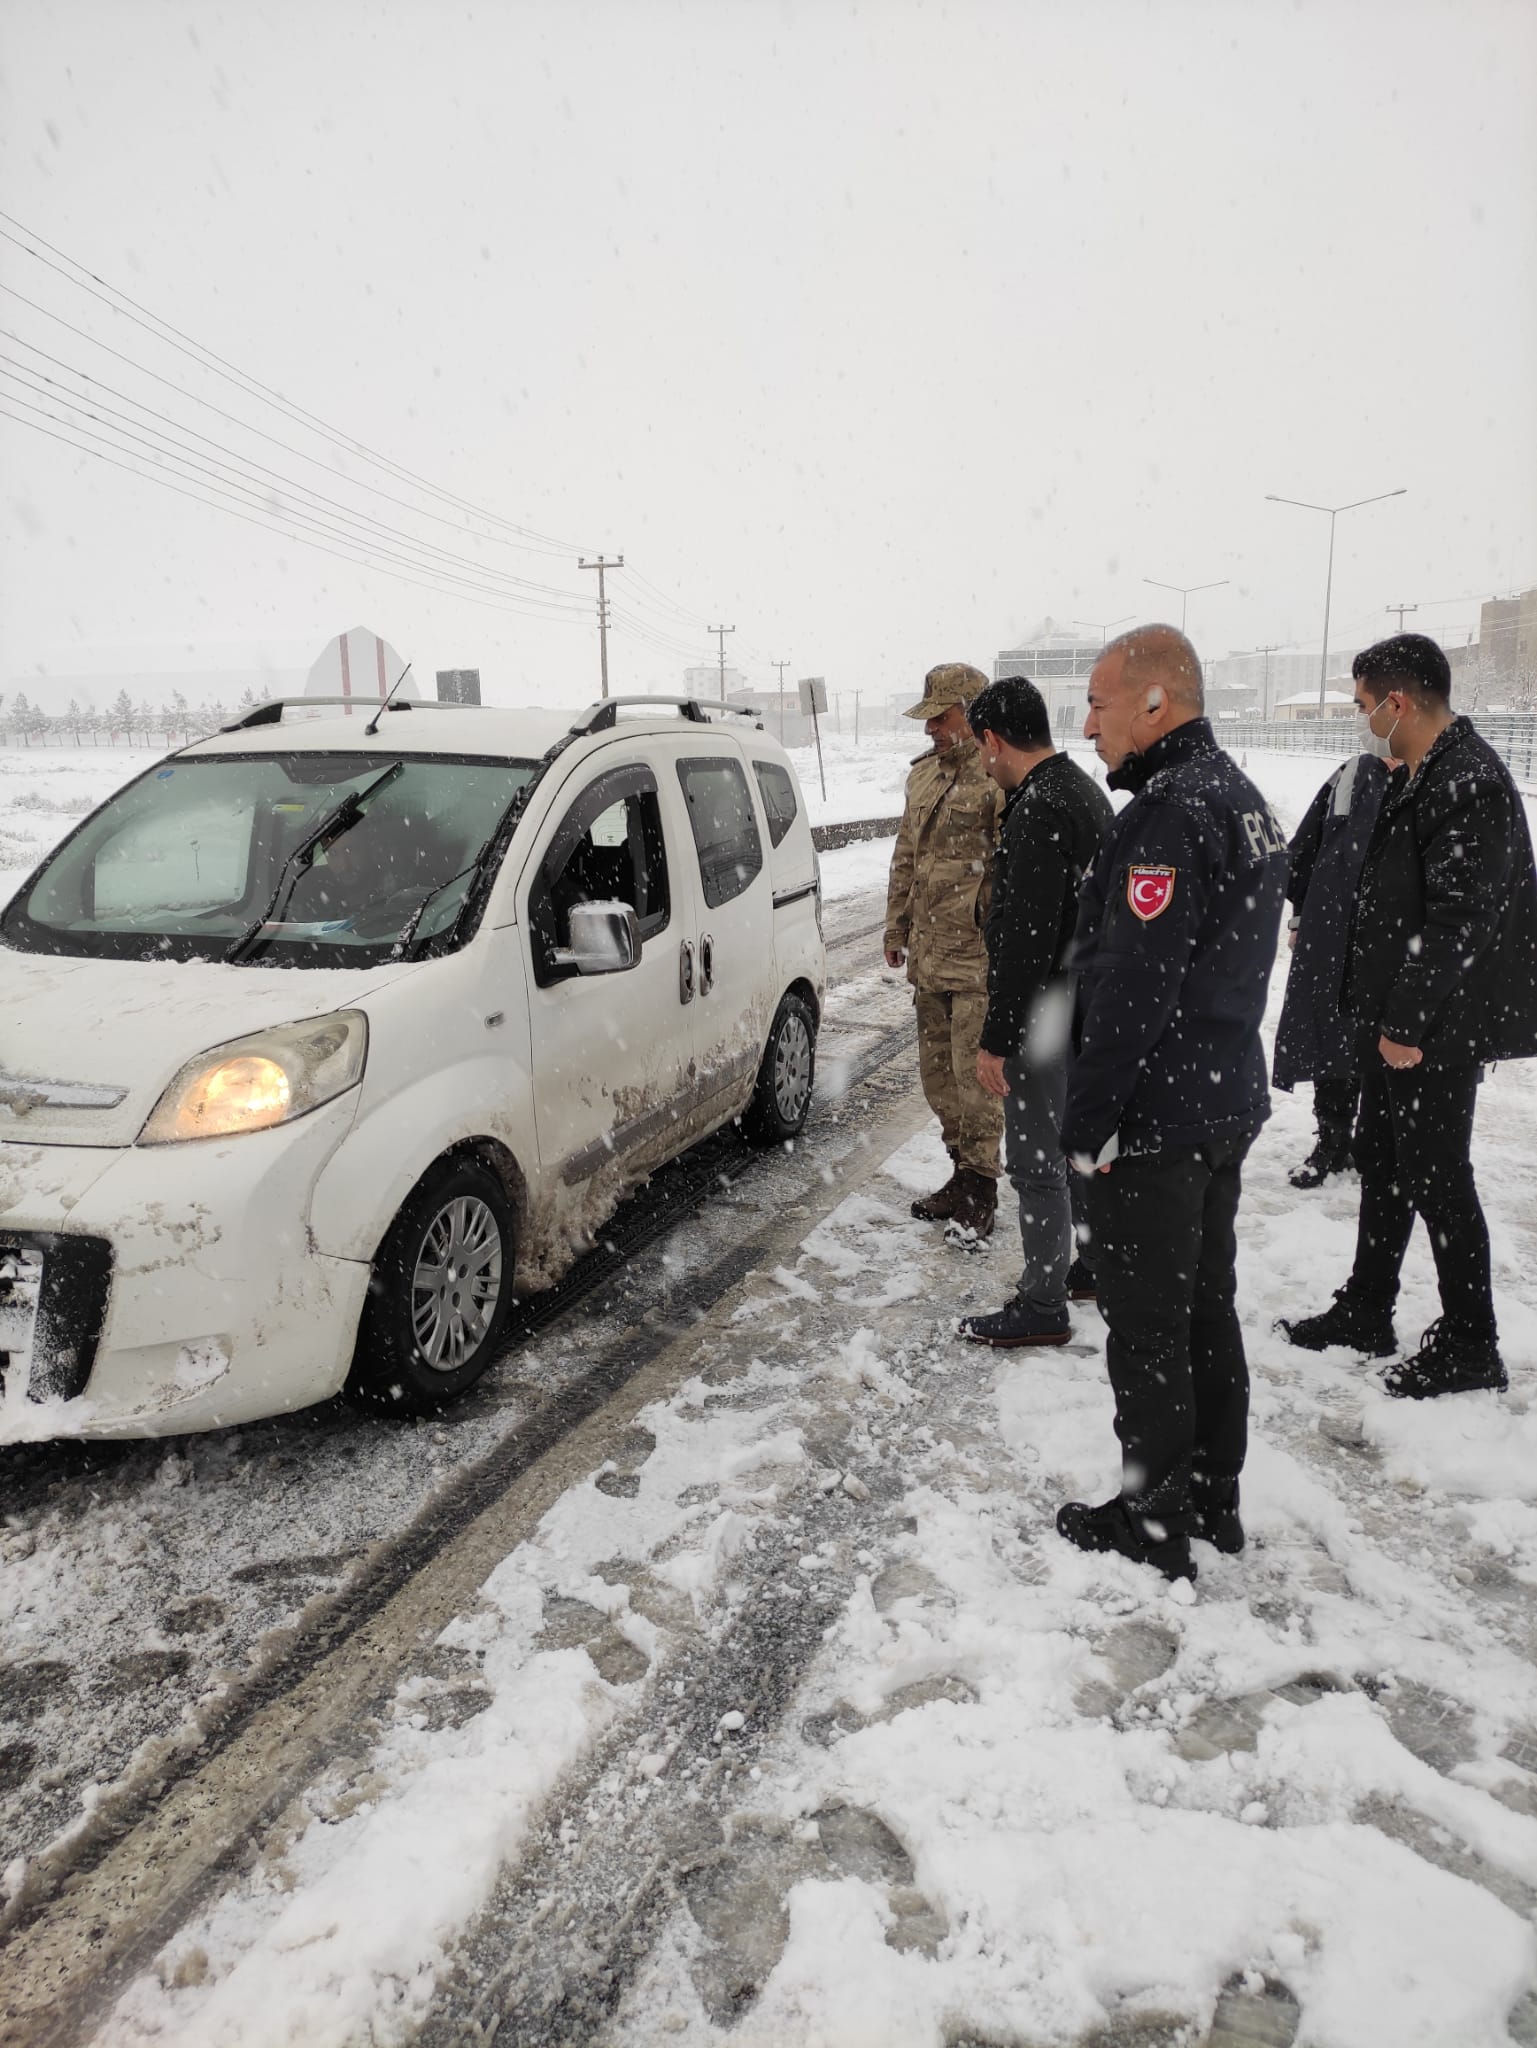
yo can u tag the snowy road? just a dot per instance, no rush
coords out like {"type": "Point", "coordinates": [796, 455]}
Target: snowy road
{"type": "Point", "coordinates": [766, 1700]}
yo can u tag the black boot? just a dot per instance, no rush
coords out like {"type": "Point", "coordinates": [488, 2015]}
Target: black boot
{"type": "Point", "coordinates": [1447, 1363]}
{"type": "Point", "coordinates": [1111, 1526]}
{"type": "Point", "coordinates": [1331, 1154]}
{"type": "Point", "coordinates": [976, 1205]}
{"type": "Point", "coordinates": [940, 1206]}
{"type": "Point", "coordinates": [1081, 1284]}
{"type": "Point", "coordinates": [1353, 1323]}
{"type": "Point", "coordinates": [1215, 1503]}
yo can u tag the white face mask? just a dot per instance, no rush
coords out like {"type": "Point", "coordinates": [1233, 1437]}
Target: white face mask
{"type": "Point", "coordinates": [1380, 749]}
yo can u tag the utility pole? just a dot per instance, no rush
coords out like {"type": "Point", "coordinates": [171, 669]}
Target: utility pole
{"type": "Point", "coordinates": [1274, 647]}
{"type": "Point", "coordinates": [720, 633]}
{"type": "Point", "coordinates": [1400, 609]}
{"type": "Point", "coordinates": [781, 666]}
{"type": "Point", "coordinates": [600, 565]}
{"type": "Point", "coordinates": [856, 718]}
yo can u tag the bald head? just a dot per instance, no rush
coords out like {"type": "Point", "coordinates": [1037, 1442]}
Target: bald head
{"type": "Point", "coordinates": [1144, 684]}
{"type": "Point", "coordinates": [1159, 658]}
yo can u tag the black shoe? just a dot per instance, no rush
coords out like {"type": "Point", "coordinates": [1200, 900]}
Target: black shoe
{"type": "Point", "coordinates": [1446, 1363]}
{"type": "Point", "coordinates": [1081, 1284]}
{"type": "Point", "coordinates": [1018, 1324]}
{"type": "Point", "coordinates": [1351, 1323]}
{"type": "Point", "coordinates": [1216, 1519]}
{"type": "Point", "coordinates": [1111, 1527]}
{"type": "Point", "coordinates": [1329, 1155]}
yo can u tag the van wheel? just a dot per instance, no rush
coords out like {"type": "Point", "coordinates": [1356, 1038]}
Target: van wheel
{"type": "Point", "coordinates": [782, 1099]}
{"type": "Point", "coordinates": [439, 1294]}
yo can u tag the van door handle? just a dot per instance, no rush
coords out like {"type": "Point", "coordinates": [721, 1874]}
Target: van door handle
{"type": "Point", "coordinates": [706, 964]}
{"type": "Point", "coordinates": [686, 971]}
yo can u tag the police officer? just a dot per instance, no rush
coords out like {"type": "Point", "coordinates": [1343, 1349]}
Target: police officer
{"type": "Point", "coordinates": [936, 904]}
{"type": "Point", "coordinates": [1176, 938]}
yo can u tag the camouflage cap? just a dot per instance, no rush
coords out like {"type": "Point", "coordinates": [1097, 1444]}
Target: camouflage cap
{"type": "Point", "coordinates": [953, 682]}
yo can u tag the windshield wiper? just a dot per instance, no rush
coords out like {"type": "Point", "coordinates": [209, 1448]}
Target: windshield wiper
{"type": "Point", "coordinates": [330, 829]}
{"type": "Point", "coordinates": [401, 950]}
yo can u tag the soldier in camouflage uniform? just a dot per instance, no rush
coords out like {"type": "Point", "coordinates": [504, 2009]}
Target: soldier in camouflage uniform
{"type": "Point", "coordinates": [936, 902]}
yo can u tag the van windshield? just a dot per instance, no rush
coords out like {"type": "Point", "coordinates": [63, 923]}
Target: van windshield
{"type": "Point", "coordinates": [194, 857]}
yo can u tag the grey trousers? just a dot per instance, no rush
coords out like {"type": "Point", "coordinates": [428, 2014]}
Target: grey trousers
{"type": "Point", "coordinates": [1038, 1172]}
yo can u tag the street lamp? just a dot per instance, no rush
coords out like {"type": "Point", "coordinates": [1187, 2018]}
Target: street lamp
{"type": "Point", "coordinates": [1104, 631]}
{"type": "Point", "coordinates": [1186, 590]}
{"type": "Point", "coordinates": [1333, 511]}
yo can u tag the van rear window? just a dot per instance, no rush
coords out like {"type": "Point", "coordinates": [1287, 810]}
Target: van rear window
{"type": "Point", "coordinates": [776, 786]}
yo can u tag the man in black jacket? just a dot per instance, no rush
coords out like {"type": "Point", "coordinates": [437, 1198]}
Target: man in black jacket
{"type": "Point", "coordinates": [1053, 821]}
{"type": "Point", "coordinates": [1441, 977]}
{"type": "Point", "coordinates": [1177, 931]}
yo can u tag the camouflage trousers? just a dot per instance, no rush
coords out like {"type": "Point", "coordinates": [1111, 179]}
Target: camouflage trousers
{"type": "Point", "coordinates": [949, 1031]}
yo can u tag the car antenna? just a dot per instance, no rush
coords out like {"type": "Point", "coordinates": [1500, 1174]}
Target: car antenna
{"type": "Point", "coordinates": [373, 724]}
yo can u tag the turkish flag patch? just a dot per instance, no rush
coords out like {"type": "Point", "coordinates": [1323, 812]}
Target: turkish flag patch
{"type": "Point", "coordinates": [1149, 891]}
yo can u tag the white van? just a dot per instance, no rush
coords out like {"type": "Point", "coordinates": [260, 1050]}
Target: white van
{"type": "Point", "coordinates": [328, 1035]}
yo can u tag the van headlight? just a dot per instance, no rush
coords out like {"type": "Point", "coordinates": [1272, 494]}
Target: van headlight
{"type": "Point", "coordinates": [270, 1078]}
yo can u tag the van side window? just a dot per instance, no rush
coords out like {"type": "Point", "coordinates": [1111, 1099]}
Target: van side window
{"type": "Point", "coordinates": [777, 789]}
{"type": "Point", "coordinates": [608, 848]}
{"type": "Point", "coordinates": [725, 830]}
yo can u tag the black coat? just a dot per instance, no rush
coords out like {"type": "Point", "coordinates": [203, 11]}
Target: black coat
{"type": "Point", "coordinates": [1171, 992]}
{"type": "Point", "coordinates": [1315, 1037]}
{"type": "Point", "coordinates": [1443, 944]}
{"type": "Point", "coordinates": [1053, 823]}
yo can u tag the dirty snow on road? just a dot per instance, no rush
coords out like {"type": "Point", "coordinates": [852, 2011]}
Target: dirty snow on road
{"type": "Point", "coordinates": [914, 1770]}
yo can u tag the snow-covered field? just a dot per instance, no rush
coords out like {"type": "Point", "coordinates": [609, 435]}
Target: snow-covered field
{"type": "Point", "coordinates": [1021, 1795]}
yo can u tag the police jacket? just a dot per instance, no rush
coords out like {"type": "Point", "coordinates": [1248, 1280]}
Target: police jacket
{"type": "Point", "coordinates": [1443, 944]}
{"type": "Point", "coordinates": [1176, 937]}
{"type": "Point", "coordinates": [1314, 1037]}
{"type": "Point", "coordinates": [1053, 823]}
{"type": "Point", "coordinates": [941, 871]}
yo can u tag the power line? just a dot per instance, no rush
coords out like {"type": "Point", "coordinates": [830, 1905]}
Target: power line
{"type": "Point", "coordinates": [167, 457]}
{"type": "Point", "coordinates": [208, 358]}
{"type": "Point", "coordinates": [243, 467]}
{"type": "Point", "coordinates": [286, 533]}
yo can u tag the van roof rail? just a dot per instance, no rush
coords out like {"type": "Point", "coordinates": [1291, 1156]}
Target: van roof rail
{"type": "Point", "coordinates": [603, 715]}
{"type": "Point", "coordinates": [271, 712]}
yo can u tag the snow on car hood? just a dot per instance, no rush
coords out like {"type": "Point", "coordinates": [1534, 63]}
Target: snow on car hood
{"type": "Point", "coordinates": [97, 1027]}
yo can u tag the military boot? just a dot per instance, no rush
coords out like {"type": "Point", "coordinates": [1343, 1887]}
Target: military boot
{"type": "Point", "coordinates": [976, 1204]}
{"type": "Point", "coordinates": [940, 1206]}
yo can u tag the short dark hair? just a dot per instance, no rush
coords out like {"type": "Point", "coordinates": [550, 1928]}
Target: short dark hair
{"type": "Point", "coordinates": [1409, 662]}
{"type": "Point", "coordinates": [1014, 709]}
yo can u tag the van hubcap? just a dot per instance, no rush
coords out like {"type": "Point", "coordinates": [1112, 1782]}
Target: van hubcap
{"type": "Point", "coordinates": [792, 1069]}
{"type": "Point", "coordinates": [457, 1283]}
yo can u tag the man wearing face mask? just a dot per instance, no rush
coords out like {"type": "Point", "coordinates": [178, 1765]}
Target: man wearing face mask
{"type": "Point", "coordinates": [936, 905]}
{"type": "Point", "coordinates": [1314, 1040]}
{"type": "Point", "coordinates": [1176, 937]}
{"type": "Point", "coordinates": [1441, 978]}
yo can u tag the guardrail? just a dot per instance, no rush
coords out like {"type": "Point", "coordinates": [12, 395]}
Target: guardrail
{"type": "Point", "coordinates": [826, 837]}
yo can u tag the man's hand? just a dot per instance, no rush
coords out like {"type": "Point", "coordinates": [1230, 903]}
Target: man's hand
{"type": "Point", "coordinates": [990, 1073]}
{"type": "Point", "coordinates": [1400, 1056]}
{"type": "Point", "coordinates": [896, 956]}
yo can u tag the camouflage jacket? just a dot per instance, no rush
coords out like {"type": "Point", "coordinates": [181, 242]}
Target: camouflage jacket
{"type": "Point", "coordinates": [942, 871]}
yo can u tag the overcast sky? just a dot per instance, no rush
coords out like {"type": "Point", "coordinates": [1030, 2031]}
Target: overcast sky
{"type": "Point", "coordinates": [879, 332]}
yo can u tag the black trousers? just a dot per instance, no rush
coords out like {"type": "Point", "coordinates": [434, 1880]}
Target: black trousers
{"type": "Point", "coordinates": [1163, 1247]}
{"type": "Point", "coordinates": [1335, 1101]}
{"type": "Point", "coordinates": [1412, 1148]}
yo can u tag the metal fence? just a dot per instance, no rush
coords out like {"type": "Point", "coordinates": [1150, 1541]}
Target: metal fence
{"type": "Point", "coordinates": [1512, 734]}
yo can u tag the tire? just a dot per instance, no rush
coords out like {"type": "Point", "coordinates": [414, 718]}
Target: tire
{"type": "Point", "coordinates": [423, 1339]}
{"type": "Point", "coordinates": [781, 1100]}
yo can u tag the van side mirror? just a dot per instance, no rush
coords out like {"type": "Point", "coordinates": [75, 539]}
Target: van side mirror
{"type": "Point", "coordinates": [605, 939]}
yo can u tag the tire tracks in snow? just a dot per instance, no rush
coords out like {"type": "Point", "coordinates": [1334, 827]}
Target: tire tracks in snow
{"type": "Point", "coordinates": [104, 1899]}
